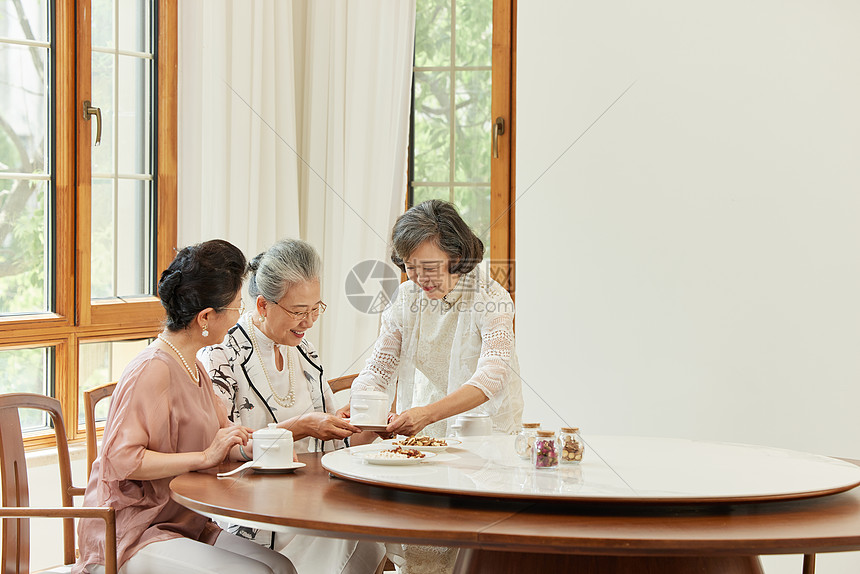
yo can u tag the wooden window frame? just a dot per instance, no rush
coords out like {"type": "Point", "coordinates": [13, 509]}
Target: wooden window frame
{"type": "Point", "coordinates": [76, 317]}
{"type": "Point", "coordinates": [502, 168]}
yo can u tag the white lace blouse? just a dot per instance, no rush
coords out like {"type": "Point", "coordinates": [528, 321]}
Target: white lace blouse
{"type": "Point", "coordinates": [431, 348]}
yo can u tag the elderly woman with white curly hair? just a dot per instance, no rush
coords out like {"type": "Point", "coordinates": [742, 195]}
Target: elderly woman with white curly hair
{"type": "Point", "coordinates": [266, 371]}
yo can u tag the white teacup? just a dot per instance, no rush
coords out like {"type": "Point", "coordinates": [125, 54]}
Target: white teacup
{"type": "Point", "coordinates": [273, 447]}
{"type": "Point", "coordinates": [368, 408]}
{"type": "Point", "coordinates": [473, 424]}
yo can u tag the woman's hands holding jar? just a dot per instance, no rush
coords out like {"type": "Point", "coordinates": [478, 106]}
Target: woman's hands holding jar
{"type": "Point", "coordinates": [225, 439]}
{"type": "Point", "coordinates": [323, 426]}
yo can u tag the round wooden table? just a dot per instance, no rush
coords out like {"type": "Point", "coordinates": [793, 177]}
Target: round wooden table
{"type": "Point", "coordinates": [502, 536]}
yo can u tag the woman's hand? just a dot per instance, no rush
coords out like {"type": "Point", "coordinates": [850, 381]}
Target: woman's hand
{"type": "Point", "coordinates": [343, 412]}
{"type": "Point", "coordinates": [325, 426]}
{"type": "Point", "coordinates": [411, 421]}
{"type": "Point", "coordinates": [225, 439]}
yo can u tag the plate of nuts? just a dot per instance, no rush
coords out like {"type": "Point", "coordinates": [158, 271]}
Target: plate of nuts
{"type": "Point", "coordinates": [424, 443]}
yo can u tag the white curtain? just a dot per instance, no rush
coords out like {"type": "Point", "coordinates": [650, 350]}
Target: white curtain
{"type": "Point", "coordinates": [293, 122]}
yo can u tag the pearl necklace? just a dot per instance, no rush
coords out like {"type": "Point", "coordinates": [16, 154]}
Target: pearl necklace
{"type": "Point", "coordinates": [195, 374]}
{"type": "Point", "coordinates": [290, 399]}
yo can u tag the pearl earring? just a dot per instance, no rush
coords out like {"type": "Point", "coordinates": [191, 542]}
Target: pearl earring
{"type": "Point", "coordinates": [205, 332]}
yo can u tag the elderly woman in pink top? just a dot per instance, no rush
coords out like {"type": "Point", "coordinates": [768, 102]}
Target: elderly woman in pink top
{"type": "Point", "coordinates": [165, 420]}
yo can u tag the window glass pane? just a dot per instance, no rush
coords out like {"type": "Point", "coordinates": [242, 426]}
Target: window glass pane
{"type": "Point", "coordinates": [474, 38]}
{"type": "Point", "coordinates": [121, 238]}
{"type": "Point", "coordinates": [472, 138]}
{"type": "Point", "coordinates": [24, 20]}
{"type": "Point", "coordinates": [135, 25]}
{"type": "Point", "coordinates": [101, 363]}
{"type": "Point", "coordinates": [432, 112]}
{"type": "Point", "coordinates": [23, 253]}
{"type": "Point", "coordinates": [133, 253]}
{"type": "Point", "coordinates": [423, 193]}
{"type": "Point", "coordinates": [103, 98]}
{"type": "Point", "coordinates": [103, 15]}
{"type": "Point", "coordinates": [473, 203]}
{"type": "Point", "coordinates": [433, 33]}
{"type": "Point", "coordinates": [27, 371]}
{"type": "Point", "coordinates": [23, 109]}
{"type": "Point", "coordinates": [135, 115]}
{"type": "Point", "coordinates": [103, 241]}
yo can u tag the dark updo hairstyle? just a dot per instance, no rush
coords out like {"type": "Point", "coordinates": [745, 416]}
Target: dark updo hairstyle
{"type": "Point", "coordinates": [205, 275]}
{"type": "Point", "coordinates": [438, 221]}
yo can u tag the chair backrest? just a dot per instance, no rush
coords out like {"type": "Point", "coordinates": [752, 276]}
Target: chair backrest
{"type": "Point", "coordinates": [15, 543]}
{"type": "Point", "coordinates": [341, 383]}
{"type": "Point", "coordinates": [91, 399]}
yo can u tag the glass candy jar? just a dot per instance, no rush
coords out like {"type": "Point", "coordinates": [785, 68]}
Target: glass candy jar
{"type": "Point", "coordinates": [526, 440]}
{"type": "Point", "coordinates": [571, 446]}
{"type": "Point", "coordinates": [545, 451]}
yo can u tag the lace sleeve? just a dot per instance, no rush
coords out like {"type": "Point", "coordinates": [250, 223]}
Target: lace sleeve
{"type": "Point", "coordinates": [497, 344]}
{"type": "Point", "coordinates": [382, 364]}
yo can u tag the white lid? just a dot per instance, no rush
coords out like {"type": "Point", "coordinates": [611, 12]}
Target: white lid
{"type": "Point", "coordinates": [272, 432]}
{"type": "Point", "coordinates": [475, 415]}
{"type": "Point", "coordinates": [369, 395]}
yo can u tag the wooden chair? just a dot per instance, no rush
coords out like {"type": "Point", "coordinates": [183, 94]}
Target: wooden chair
{"type": "Point", "coordinates": [91, 399]}
{"type": "Point", "coordinates": [341, 383]}
{"type": "Point", "coordinates": [340, 387]}
{"type": "Point", "coordinates": [16, 511]}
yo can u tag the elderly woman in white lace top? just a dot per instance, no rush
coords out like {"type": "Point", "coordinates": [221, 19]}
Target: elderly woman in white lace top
{"type": "Point", "coordinates": [447, 338]}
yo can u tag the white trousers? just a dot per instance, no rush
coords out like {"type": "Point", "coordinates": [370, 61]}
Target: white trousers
{"type": "Point", "coordinates": [230, 555]}
{"type": "Point", "coordinates": [319, 555]}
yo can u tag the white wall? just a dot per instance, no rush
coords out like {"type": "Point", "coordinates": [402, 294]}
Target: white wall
{"type": "Point", "coordinates": [689, 266]}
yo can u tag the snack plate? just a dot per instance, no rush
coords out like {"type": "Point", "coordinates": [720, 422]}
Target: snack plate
{"type": "Point", "coordinates": [452, 442]}
{"type": "Point", "coordinates": [278, 469]}
{"type": "Point", "coordinates": [373, 458]}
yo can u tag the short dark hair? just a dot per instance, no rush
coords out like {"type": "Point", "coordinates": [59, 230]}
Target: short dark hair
{"type": "Point", "coordinates": [438, 221]}
{"type": "Point", "coordinates": [204, 275]}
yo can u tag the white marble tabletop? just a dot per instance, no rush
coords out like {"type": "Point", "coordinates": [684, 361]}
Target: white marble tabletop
{"type": "Point", "coordinates": [614, 468]}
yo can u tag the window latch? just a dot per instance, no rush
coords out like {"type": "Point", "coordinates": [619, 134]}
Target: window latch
{"type": "Point", "coordinates": [90, 111]}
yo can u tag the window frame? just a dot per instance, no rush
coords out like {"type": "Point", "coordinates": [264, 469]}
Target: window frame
{"type": "Point", "coordinates": [502, 169]}
{"type": "Point", "coordinates": [77, 318]}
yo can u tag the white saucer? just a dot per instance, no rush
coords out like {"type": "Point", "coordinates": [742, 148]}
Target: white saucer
{"type": "Point", "coordinates": [372, 458]}
{"type": "Point", "coordinates": [278, 469]}
{"type": "Point", "coordinates": [374, 428]}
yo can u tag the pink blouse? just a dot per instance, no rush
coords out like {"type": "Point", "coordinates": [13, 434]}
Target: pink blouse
{"type": "Point", "coordinates": [156, 406]}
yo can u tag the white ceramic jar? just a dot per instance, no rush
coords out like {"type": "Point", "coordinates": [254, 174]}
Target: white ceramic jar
{"type": "Point", "coordinates": [273, 447]}
{"type": "Point", "coordinates": [368, 408]}
{"type": "Point", "coordinates": [473, 424]}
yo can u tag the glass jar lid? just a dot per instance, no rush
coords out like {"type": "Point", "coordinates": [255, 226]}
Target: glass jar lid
{"type": "Point", "coordinates": [545, 433]}
{"type": "Point", "coordinates": [531, 425]}
{"type": "Point", "coordinates": [570, 429]}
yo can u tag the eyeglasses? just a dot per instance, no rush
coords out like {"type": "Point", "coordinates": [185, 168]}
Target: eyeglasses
{"type": "Point", "coordinates": [240, 308]}
{"type": "Point", "coordinates": [302, 315]}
